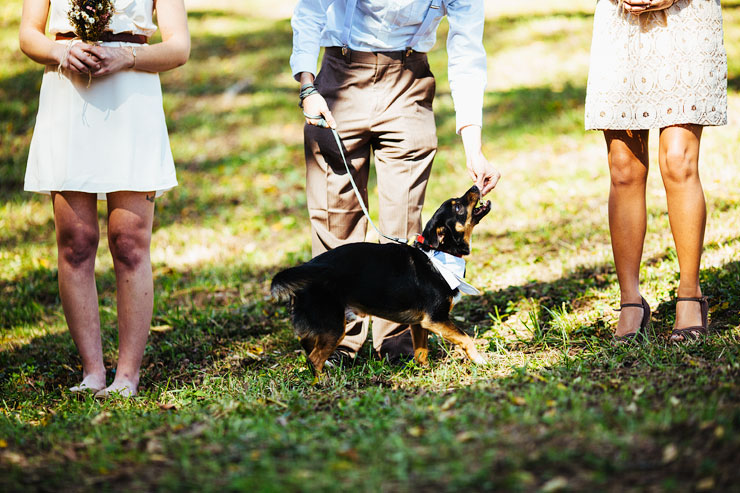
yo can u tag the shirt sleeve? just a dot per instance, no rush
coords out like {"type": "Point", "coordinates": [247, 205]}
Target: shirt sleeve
{"type": "Point", "coordinates": [466, 60]}
{"type": "Point", "coordinates": [308, 21]}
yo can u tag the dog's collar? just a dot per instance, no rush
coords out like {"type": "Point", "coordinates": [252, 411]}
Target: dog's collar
{"type": "Point", "coordinates": [452, 269]}
{"type": "Point", "coordinates": [422, 243]}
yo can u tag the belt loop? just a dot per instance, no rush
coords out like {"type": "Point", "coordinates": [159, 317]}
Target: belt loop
{"type": "Point", "coordinates": [347, 54]}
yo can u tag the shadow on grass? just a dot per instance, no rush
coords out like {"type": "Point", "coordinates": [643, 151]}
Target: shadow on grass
{"type": "Point", "coordinates": [597, 417]}
{"type": "Point", "coordinates": [201, 322]}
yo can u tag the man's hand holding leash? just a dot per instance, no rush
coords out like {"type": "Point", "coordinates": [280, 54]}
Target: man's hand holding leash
{"type": "Point", "coordinates": [314, 105]}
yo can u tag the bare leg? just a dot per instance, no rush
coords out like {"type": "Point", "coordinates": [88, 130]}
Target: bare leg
{"type": "Point", "coordinates": [628, 167]}
{"type": "Point", "coordinates": [679, 166]}
{"type": "Point", "coordinates": [130, 217]}
{"type": "Point", "coordinates": [76, 224]}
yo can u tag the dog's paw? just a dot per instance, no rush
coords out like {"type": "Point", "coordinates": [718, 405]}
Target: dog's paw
{"type": "Point", "coordinates": [478, 359]}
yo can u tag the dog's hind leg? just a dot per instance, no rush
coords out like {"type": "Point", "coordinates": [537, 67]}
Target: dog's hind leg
{"type": "Point", "coordinates": [324, 345]}
{"type": "Point", "coordinates": [450, 332]}
{"type": "Point", "coordinates": [420, 338]}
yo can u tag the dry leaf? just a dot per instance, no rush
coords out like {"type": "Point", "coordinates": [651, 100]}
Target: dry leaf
{"type": "Point", "coordinates": [705, 484]}
{"type": "Point", "coordinates": [154, 446]}
{"type": "Point", "coordinates": [449, 403]}
{"type": "Point", "coordinates": [519, 401]}
{"type": "Point", "coordinates": [167, 406]}
{"type": "Point", "coordinates": [100, 418]}
{"type": "Point", "coordinates": [464, 436]}
{"type": "Point", "coordinates": [161, 328]}
{"type": "Point", "coordinates": [416, 431]}
{"type": "Point", "coordinates": [558, 483]}
{"type": "Point", "coordinates": [670, 453]}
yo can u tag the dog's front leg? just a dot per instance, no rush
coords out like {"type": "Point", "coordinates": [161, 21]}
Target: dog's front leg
{"type": "Point", "coordinates": [420, 338]}
{"type": "Point", "coordinates": [450, 332]}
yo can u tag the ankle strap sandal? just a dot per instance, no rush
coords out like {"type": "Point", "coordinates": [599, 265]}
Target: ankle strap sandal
{"type": "Point", "coordinates": [641, 331]}
{"type": "Point", "coordinates": [697, 331]}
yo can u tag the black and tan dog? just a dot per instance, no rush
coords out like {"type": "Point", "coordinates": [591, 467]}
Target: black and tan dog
{"type": "Point", "coordinates": [393, 281]}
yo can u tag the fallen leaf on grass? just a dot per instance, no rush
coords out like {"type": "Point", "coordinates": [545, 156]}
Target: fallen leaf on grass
{"type": "Point", "coordinates": [416, 431]}
{"type": "Point", "coordinates": [13, 458]}
{"type": "Point", "coordinates": [154, 446]}
{"type": "Point", "coordinates": [350, 454]}
{"type": "Point", "coordinates": [670, 453]}
{"type": "Point", "coordinates": [705, 484]}
{"type": "Point", "coordinates": [722, 306]}
{"type": "Point", "coordinates": [70, 454]}
{"type": "Point", "coordinates": [100, 418]}
{"type": "Point", "coordinates": [158, 458]}
{"type": "Point", "coordinates": [161, 328]}
{"type": "Point", "coordinates": [169, 406]}
{"type": "Point", "coordinates": [558, 483]}
{"type": "Point", "coordinates": [719, 432]}
{"type": "Point", "coordinates": [518, 401]}
{"type": "Point", "coordinates": [449, 403]}
{"type": "Point", "coordinates": [194, 430]}
{"type": "Point", "coordinates": [464, 436]}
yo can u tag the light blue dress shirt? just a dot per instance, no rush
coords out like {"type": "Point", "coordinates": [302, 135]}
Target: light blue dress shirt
{"type": "Point", "coordinates": [389, 25]}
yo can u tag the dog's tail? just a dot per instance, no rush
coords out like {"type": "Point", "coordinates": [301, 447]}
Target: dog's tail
{"type": "Point", "coordinates": [286, 283]}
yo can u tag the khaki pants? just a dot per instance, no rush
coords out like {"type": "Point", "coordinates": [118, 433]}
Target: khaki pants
{"type": "Point", "coordinates": [381, 102]}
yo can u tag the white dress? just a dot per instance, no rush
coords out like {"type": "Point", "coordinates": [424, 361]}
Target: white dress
{"type": "Point", "coordinates": [108, 137]}
{"type": "Point", "coordinates": [657, 74]}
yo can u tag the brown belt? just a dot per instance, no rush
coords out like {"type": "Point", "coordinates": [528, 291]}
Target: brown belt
{"type": "Point", "coordinates": [109, 36]}
{"type": "Point", "coordinates": [374, 57]}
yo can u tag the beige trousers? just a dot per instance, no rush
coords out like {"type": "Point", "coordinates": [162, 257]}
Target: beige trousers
{"type": "Point", "coordinates": [381, 103]}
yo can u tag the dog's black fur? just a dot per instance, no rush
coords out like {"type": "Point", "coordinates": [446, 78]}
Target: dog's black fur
{"type": "Point", "coordinates": [393, 281]}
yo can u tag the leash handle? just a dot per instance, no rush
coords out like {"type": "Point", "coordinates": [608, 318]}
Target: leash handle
{"type": "Point", "coordinates": [322, 123]}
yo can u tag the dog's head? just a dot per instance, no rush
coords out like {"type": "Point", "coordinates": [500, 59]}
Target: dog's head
{"type": "Point", "coordinates": [450, 228]}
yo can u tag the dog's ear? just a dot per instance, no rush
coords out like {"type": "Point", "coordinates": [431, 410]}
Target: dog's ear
{"type": "Point", "coordinates": [434, 234]}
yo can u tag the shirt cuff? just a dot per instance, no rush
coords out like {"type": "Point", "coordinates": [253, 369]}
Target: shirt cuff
{"type": "Point", "coordinates": [303, 62]}
{"type": "Point", "coordinates": [468, 101]}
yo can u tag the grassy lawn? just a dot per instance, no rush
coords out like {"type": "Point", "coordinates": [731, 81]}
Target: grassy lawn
{"type": "Point", "coordinates": [227, 402]}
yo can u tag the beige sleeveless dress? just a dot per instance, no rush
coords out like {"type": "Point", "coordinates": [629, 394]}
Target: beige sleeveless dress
{"type": "Point", "coordinates": [108, 137]}
{"type": "Point", "coordinates": [655, 74]}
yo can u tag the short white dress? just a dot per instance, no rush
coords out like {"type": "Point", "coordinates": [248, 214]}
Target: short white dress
{"type": "Point", "coordinates": [655, 74]}
{"type": "Point", "coordinates": [108, 137]}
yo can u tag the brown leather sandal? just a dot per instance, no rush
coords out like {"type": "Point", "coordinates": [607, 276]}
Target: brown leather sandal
{"type": "Point", "coordinates": [640, 334]}
{"type": "Point", "coordinates": [696, 332]}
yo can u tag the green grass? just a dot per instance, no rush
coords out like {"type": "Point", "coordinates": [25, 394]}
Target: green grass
{"type": "Point", "coordinates": [227, 402]}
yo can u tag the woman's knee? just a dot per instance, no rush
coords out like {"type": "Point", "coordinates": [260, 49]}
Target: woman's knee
{"type": "Point", "coordinates": [679, 166]}
{"type": "Point", "coordinates": [77, 245]}
{"type": "Point", "coordinates": [129, 248]}
{"type": "Point", "coordinates": [626, 169]}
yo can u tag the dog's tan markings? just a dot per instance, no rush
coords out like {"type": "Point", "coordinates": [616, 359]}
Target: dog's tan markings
{"type": "Point", "coordinates": [420, 338]}
{"type": "Point", "coordinates": [440, 233]}
{"type": "Point", "coordinates": [322, 346]}
{"type": "Point", "coordinates": [450, 332]}
{"type": "Point", "coordinates": [469, 223]}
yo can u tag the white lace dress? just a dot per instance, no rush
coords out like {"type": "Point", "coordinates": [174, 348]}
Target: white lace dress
{"type": "Point", "coordinates": [108, 137]}
{"type": "Point", "coordinates": [655, 75]}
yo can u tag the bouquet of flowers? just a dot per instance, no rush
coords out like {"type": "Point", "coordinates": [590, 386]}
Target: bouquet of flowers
{"type": "Point", "coordinates": [90, 18]}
